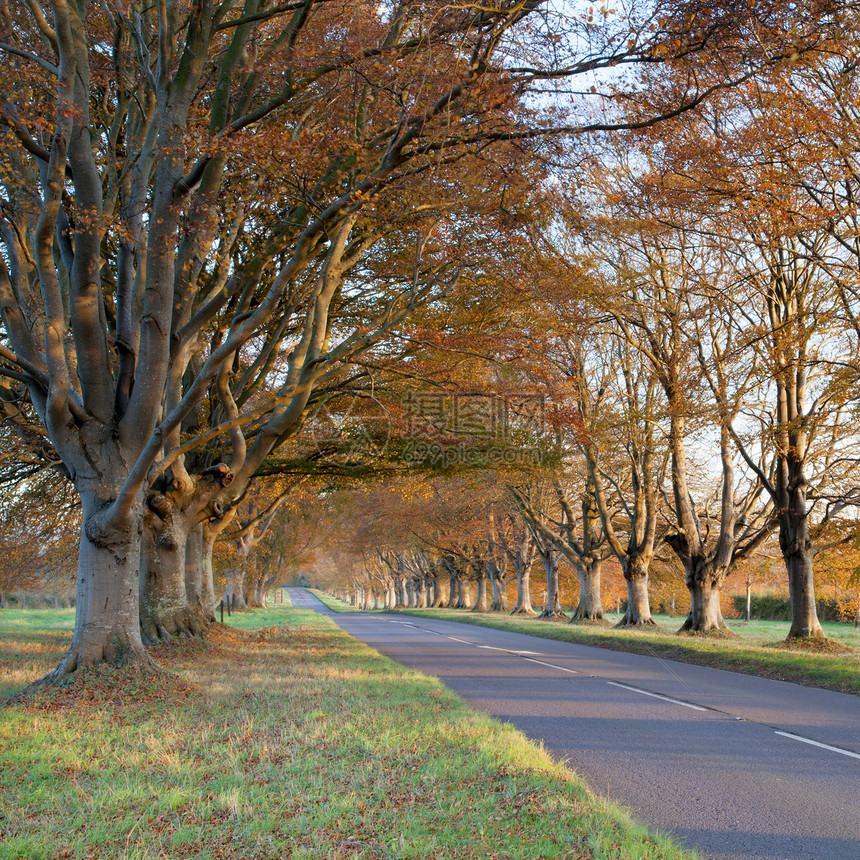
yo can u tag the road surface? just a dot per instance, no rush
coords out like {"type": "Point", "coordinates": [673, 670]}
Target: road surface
{"type": "Point", "coordinates": [735, 766]}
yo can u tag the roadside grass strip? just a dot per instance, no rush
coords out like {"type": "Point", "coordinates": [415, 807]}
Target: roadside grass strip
{"type": "Point", "coordinates": [758, 648]}
{"type": "Point", "coordinates": [289, 741]}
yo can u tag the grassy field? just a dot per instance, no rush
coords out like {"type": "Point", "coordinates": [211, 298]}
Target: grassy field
{"type": "Point", "coordinates": [758, 648]}
{"type": "Point", "coordinates": [279, 737]}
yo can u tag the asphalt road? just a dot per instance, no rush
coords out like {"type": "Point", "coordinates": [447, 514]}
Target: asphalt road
{"type": "Point", "coordinates": [735, 766]}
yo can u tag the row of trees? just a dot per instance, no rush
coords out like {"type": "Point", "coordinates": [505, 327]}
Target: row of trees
{"type": "Point", "coordinates": [218, 215]}
{"type": "Point", "coordinates": [691, 322]}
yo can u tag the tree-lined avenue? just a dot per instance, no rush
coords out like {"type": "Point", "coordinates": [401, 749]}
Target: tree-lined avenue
{"type": "Point", "coordinates": [735, 766]}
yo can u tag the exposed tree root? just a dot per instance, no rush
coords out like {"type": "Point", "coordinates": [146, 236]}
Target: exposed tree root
{"type": "Point", "coordinates": [116, 649]}
{"type": "Point", "coordinates": [530, 613]}
{"type": "Point", "coordinates": [553, 615]}
{"type": "Point", "coordinates": [635, 623]}
{"type": "Point", "coordinates": [584, 616]}
{"type": "Point", "coordinates": [184, 623]}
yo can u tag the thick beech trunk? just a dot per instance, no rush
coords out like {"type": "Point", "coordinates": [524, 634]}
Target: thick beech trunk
{"type": "Point", "coordinates": [494, 593]}
{"type": "Point", "coordinates": [235, 588]}
{"type": "Point", "coordinates": [194, 568]}
{"type": "Point", "coordinates": [464, 590]}
{"type": "Point", "coordinates": [481, 595]}
{"type": "Point", "coordinates": [207, 578]}
{"type": "Point", "coordinates": [107, 620]}
{"type": "Point", "coordinates": [590, 606]}
{"type": "Point", "coordinates": [499, 588]}
{"type": "Point", "coordinates": [439, 585]}
{"type": "Point", "coordinates": [552, 611]}
{"type": "Point", "coordinates": [454, 594]}
{"type": "Point", "coordinates": [705, 584]}
{"type": "Point", "coordinates": [524, 600]}
{"type": "Point", "coordinates": [165, 610]}
{"type": "Point", "coordinates": [422, 593]}
{"type": "Point", "coordinates": [801, 587]}
{"type": "Point", "coordinates": [256, 598]}
{"type": "Point", "coordinates": [173, 513]}
{"type": "Point", "coordinates": [638, 611]}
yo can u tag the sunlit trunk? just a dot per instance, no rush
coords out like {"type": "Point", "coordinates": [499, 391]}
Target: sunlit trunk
{"type": "Point", "coordinates": [481, 595]}
{"type": "Point", "coordinates": [524, 601]}
{"type": "Point", "coordinates": [705, 582]}
{"type": "Point", "coordinates": [590, 606]}
{"type": "Point", "coordinates": [796, 546]}
{"type": "Point", "coordinates": [552, 610]}
{"type": "Point", "coordinates": [638, 605]}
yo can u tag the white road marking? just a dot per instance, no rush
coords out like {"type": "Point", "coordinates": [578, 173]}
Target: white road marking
{"type": "Point", "coordinates": [818, 744]}
{"type": "Point", "coordinates": [414, 626]}
{"type": "Point", "coordinates": [455, 639]}
{"type": "Point", "coordinates": [508, 650]}
{"type": "Point", "coordinates": [657, 696]}
{"type": "Point", "coordinates": [551, 666]}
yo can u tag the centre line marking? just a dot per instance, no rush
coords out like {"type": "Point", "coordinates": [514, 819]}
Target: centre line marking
{"type": "Point", "coordinates": [818, 744]}
{"type": "Point", "coordinates": [551, 666]}
{"type": "Point", "coordinates": [657, 696]}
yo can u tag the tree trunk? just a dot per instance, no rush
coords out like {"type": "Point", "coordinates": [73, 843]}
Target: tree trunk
{"type": "Point", "coordinates": [440, 598]}
{"type": "Point", "coordinates": [454, 592]}
{"type": "Point", "coordinates": [175, 506]}
{"type": "Point", "coordinates": [463, 594]}
{"type": "Point", "coordinates": [638, 611]}
{"type": "Point", "coordinates": [494, 588]}
{"type": "Point", "coordinates": [705, 583]}
{"type": "Point", "coordinates": [107, 617]}
{"type": "Point", "coordinates": [235, 590]}
{"type": "Point", "coordinates": [524, 600]}
{"type": "Point", "coordinates": [590, 606]}
{"type": "Point", "coordinates": [257, 596]}
{"type": "Point", "coordinates": [481, 595]}
{"type": "Point", "coordinates": [194, 568]}
{"type": "Point", "coordinates": [207, 578]}
{"type": "Point", "coordinates": [801, 588]}
{"type": "Point", "coordinates": [164, 609]}
{"type": "Point", "coordinates": [552, 610]}
{"type": "Point", "coordinates": [796, 546]}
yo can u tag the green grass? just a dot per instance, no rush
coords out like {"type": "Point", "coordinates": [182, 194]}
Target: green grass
{"type": "Point", "coordinates": [757, 649]}
{"type": "Point", "coordinates": [292, 740]}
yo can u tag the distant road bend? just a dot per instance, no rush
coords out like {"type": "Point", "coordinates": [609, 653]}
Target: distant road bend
{"type": "Point", "coordinates": [735, 766]}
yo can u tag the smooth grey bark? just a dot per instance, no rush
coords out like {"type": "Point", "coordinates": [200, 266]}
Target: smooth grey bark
{"type": "Point", "coordinates": [590, 605]}
{"type": "Point", "coordinates": [520, 551]}
{"type": "Point", "coordinates": [549, 557]}
{"type": "Point", "coordinates": [107, 623]}
{"type": "Point", "coordinates": [638, 613]}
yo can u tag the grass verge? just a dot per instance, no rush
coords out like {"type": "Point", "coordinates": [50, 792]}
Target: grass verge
{"type": "Point", "coordinates": [289, 741]}
{"type": "Point", "coordinates": [757, 649]}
